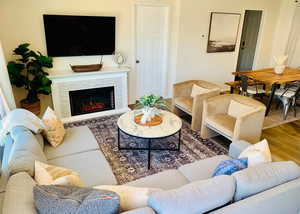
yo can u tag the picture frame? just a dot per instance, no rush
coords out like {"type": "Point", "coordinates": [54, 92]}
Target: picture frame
{"type": "Point", "coordinates": [223, 32]}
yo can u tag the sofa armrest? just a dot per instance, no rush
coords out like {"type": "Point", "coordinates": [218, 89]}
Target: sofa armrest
{"type": "Point", "coordinates": [249, 127]}
{"type": "Point", "coordinates": [237, 147]}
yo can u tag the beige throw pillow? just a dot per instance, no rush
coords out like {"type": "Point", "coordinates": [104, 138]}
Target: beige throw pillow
{"type": "Point", "coordinates": [55, 131]}
{"type": "Point", "coordinates": [237, 109]}
{"type": "Point", "coordinates": [52, 175]}
{"type": "Point", "coordinates": [198, 90]}
{"type": "Point", "coordinates": [257, 154]}
{"type": "Point", "coordinates": [130, 197]}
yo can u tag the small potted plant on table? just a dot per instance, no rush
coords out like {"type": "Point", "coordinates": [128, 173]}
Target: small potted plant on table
{"type": "Point", "coordinates": [149, 112]}
{"type": "Point", "coordinates": [28, 71]}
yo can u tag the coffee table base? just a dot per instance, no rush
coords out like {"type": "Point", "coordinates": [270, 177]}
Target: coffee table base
{"type": "Point", "coordinates": [149, 148]}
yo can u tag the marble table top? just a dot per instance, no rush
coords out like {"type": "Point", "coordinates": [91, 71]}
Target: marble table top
{"type": "Point", "coordinates": [171, 124]}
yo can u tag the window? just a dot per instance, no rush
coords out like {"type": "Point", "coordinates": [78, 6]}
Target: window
{"type": "Point", "coordinates": [3, 105]}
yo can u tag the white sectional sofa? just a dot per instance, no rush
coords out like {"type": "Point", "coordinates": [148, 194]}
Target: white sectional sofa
{"type": "Point", "coordinates": [81, 153]}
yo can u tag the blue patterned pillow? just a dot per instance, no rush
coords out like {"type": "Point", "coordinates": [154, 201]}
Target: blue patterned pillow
{"type": "Point", "coordinates": [229, 167]}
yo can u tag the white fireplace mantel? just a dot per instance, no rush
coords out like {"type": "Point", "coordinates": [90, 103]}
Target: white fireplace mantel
{"type": "Point", "coordinates": [64, 81]}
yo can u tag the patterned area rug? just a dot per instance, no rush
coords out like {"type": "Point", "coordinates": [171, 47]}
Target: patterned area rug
{"type": "Point", "coordinates": [131, 165]}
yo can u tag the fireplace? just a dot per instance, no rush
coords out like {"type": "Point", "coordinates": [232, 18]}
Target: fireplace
{"type": "Point", "coordinates": [92, 100]}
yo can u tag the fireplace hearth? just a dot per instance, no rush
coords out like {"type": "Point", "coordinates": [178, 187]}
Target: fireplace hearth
{"type": "Point", "coordinates": [92, 100]}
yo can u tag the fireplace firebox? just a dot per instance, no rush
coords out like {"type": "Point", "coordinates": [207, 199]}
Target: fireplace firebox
{"type": "Point", "coordinates": [92, 100]}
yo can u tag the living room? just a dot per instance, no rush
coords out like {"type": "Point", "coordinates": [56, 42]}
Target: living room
{"type": "Point", "coordinates": [149, 106]}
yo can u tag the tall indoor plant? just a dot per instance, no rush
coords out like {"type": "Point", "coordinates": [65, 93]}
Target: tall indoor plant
{"type": "Point", "coordinates": [28, 71]}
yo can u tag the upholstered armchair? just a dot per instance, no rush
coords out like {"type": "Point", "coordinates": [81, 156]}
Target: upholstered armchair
{"type": "Point", "coordinates": [184, 102]}
{"type": "Point", "coordinates": [234, 116]}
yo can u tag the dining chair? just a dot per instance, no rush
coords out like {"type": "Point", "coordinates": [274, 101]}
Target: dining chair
{"type": "Point", "coordinates": [288, 96]}
{"type": "Point", "coordinates": [255, 89]}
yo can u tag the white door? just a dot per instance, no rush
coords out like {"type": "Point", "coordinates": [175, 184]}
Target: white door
{"type": "Point", "coordinates": [151, 49]}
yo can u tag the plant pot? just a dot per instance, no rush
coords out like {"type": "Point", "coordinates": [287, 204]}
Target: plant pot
{"type": "Point", "coordinates": [34, 107]}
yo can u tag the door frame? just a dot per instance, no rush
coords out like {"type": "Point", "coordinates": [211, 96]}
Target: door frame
{"type": "Point", "coordinates": [151, 3]}
{"type": "Point", "coordinates": [259, 37]}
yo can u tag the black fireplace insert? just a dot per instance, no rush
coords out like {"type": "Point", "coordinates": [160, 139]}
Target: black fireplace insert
{"type": "Point", "coordinates": [92, 100]}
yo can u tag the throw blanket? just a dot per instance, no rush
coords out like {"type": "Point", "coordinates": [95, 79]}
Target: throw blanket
{"type": "Point", "coordinates": [21, 117]}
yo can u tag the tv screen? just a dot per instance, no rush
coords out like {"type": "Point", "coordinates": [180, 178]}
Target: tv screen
{"type": "Point", "coordinates": [79, 35]}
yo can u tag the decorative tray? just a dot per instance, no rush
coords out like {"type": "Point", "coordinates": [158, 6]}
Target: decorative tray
{"type": "Point", "coordinates": [157, 120]}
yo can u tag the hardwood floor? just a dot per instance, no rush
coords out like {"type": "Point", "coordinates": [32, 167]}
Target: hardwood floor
{"type": "Point", "coordinates": [284, 140]}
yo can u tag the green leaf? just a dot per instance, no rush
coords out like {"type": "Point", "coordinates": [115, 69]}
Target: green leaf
{"type": "Point", "coordinates": [15, 74]}
{"type": "Point", "coordinates": [21, 49]}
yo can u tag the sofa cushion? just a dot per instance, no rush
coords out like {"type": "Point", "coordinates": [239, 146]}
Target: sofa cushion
{"type": "Point", "coordinates": [25, 151]}
{"type": "Point", "coordinates": [145, 210]}
{"type": "Point", "coordinates": [197, 197]}
{"type": "Point", "coordinates": [263, 177]}
{"type": "Point", "coordinates": [196, 89]}
{"type": "Point", "coordinates": [161, 180]}
{"type": "Point", "coordinates": [77, 140]}
{"type": "Point", "coordinates": [202, 169]}
{"type": "Point", "coordinates": [19, 195]}
{"type": "Point", "coordinates": [46, 174]}
{"type": "Point", "coordinates": [130, 197]}
{"type": "Point", "coordinates": [184, 103]}
{"type": "Point", "coordinates": [223, 123]}
{"type": "Point", "coordinates": [70, 199]}
{"type": "Point", "coordinates": [237, 109]}
{"type": "Point", "coordinates": [91, 166]}
{"type": "Point", "coordinates": [228, 167]}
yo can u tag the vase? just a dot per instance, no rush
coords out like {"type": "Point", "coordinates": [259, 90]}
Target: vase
{"type": "Point", "coordinates": [34, 107]}
{"type": "Point", "coordinates": [279, 69]}
{"type": "Point", "coordinates": [148, 114]}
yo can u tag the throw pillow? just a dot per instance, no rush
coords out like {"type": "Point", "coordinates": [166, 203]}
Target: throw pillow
{"type": "Point", "coordinates": [198, 90]}
{"type": "Point", "coordinates": [237, 109]}
{"type": "Point", "coordinates": [263, 177]}
{"type": "Point", "coordinates": [131, 197]}
{"type": "Point", "coordinates": [52, 175]}
{"type": "Point", "coordinates": [229, 167]}
{"type": "Point", "coordinates": [257, 153]}
{"type": "Point", "coordinates": [55, 131]}
{"type": "Point", "coordinates": [197, 197]}
{"type": "Point", "coordinates": [71, 199]}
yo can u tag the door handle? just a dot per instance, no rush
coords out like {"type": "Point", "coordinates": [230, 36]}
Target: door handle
{"type": "Point", "coordinates": [137, 61]}
{"type": "Point", "coordinates": [243, 45]}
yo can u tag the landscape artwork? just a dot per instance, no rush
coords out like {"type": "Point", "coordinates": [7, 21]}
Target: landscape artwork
{"type": "Point", "coordinates": [223, 32]}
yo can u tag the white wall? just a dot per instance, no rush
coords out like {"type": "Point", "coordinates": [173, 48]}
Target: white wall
{"type": "Point", "coordinates": [22, 21]}
{"type": "Point", "coordinates": [284, 28]}
{"type": "Point", "coordinates": [4, 81]}
{"type": "Point", "coordinates": [195, 63]}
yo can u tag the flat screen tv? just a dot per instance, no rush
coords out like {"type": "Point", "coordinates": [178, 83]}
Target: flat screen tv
{"type": "Point", "coordinates": [79, 35]}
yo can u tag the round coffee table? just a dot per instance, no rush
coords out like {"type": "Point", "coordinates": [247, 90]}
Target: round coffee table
{"type": "Point", "coordinates": [170, 126]}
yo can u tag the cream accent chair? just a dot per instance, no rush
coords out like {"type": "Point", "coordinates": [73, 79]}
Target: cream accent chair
{"type": "Point", "coordinates": [183, 102]}
{"type": "Point", "coordinates": [247, 126]}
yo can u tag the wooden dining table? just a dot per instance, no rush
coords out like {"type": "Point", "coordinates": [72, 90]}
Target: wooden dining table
{"type": "Point", "coordinates": [269, 77]}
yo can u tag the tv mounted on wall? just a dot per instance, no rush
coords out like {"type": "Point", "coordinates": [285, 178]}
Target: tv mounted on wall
{"type": "Point", "coordinates": [79, 35]}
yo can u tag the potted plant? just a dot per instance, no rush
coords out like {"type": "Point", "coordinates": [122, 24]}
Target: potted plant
{"type": "Point", "coordinates": [28, 71]}
{"type": "Point", "coordinates": [149, 107]}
